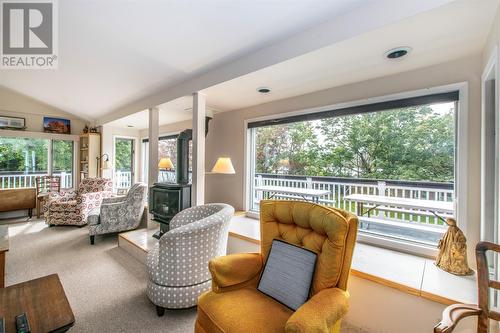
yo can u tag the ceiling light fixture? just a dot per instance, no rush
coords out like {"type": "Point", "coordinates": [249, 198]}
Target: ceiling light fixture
{"type": "Point", "coordinates": [264, 90]}
{"type": "Point", "coordinates": [397, 52]}
{"type": "Point", "coordinates": [130, 125]}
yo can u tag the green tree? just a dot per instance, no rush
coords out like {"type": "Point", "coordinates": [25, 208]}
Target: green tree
{"type": "Point", "coordinates": [414, 143]}
{"type": "Point", "coordinates": [23, 154]}
{"type": "Point", "coordinates": [123, 154]}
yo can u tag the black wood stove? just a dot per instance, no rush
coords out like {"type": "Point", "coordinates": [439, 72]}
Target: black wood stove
{"type": "Point", "coordinates": [168, 199]}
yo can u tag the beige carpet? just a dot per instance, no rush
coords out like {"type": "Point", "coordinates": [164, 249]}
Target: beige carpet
{"type": "Point", "coordinates": [105, 286]}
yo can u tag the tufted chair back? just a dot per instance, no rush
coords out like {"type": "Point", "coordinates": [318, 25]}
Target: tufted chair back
{"type": "Point", "coordinates": [89, 185]}
{"type": "Point", "coordinates": [329, 232]}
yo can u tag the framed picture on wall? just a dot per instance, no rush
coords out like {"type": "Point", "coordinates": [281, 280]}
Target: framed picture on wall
{"type": "Point", "coordinates": [56, 125]}
{"type": "Point", "coordinates": [16, 123]}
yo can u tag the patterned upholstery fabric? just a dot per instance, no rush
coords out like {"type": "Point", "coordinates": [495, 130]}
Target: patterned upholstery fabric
{"type": "Point", "coordinates": [72, 207]}
{"type": "Point", "coordinates": [119, 213]}
{"type": "Point", "coordinates": [178, 265]}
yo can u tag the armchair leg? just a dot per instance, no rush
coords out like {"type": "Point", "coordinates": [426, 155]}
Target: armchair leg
{"type": "Point", "coordinates": [160, 311]}
{"type": "Point", "coordinates": [92, 240]}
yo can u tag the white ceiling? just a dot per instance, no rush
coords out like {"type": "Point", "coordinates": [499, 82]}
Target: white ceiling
{"type": "Point", "coordinates": [171, 112]}
{"type": "Point", "coordinates": [445, 33]}
{"type": "Point", "coordinates": [113, 52]}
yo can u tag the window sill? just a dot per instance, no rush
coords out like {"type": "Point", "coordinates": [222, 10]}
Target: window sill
{"type": "Point", "coordinates": [405, 272]}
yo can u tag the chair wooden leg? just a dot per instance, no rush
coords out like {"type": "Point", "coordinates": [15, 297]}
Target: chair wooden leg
{"type": "Point", "coordinates": [160, 311]}
{"type": "Point", "coordinates": [92, 240]}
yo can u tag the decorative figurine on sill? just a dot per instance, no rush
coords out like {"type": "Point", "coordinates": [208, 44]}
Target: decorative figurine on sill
{"type": "Point", "coordinates": [85, 129]}
{"type": "Point", "coordinates": [452, 256]}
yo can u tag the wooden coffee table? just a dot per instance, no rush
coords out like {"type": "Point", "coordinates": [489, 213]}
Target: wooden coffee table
{"type": "Point", "coordinates": [44, 302]}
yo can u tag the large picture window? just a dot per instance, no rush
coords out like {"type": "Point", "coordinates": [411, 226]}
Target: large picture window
{"type": "Point", "coordinates": [391, 163]}
{"type": "Point", "coordinates": [24, 159]}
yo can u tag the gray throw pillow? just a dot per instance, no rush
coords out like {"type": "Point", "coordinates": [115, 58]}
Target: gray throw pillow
{"type": "Point", "coordinates": [288, 274]}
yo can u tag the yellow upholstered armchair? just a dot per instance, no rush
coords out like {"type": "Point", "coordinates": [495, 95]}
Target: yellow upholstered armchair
{"type": "Point", "coordinates": [235, 305]}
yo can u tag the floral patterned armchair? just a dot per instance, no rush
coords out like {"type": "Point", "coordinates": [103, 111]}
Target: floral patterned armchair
{"type": "Point", "coordinates": [119, 213]}
{"type": "Point", "coordinates": [72, 207]}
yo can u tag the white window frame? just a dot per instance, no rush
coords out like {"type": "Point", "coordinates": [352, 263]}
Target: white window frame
{"type": "Point", "coordinates": [488, 161]}
{"type": "Point", "coordinates": [461, 168]}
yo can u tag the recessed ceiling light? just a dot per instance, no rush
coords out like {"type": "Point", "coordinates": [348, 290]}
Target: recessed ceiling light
{"type": "Point", "coordinates": [264, 90]}
{"type": "Point", "coordinates": [397, 52]}
{"type": "Point", "coordinates": [130, 125]}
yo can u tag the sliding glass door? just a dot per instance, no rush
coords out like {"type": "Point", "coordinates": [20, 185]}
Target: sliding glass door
{"type": "Point", "coordinates": [24, 159]}
{"type": "Point", "coordinates": [62, 161]}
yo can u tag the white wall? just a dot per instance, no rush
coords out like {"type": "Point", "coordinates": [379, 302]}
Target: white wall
{"type": "Point", "coordinates": [14, 104]}
{"type": "Point", "coordinates": [376, 308]}
{"type": "Point", "coordinates": [493, 40]}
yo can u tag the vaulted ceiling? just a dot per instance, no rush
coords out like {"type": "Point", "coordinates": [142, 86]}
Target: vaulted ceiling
{"type": "Point", "coordinates": [117, 58]}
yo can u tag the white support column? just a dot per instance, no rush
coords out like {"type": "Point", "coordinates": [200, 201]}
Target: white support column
{"type": "Point", "coordinates": [198, 190]}
{"type": "Point", "coordinates": [153, 145]}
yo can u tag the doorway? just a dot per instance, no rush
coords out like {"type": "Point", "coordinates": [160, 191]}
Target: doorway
{"type": "Point", "coordinates": [124, 158]}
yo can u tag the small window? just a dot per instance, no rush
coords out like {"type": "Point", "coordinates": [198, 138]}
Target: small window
{"type": "Point", "coordinates": [167, 147]}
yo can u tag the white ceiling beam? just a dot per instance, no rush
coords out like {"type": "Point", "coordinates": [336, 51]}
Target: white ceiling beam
{"type": "Point", "coordinates": [372, 15]}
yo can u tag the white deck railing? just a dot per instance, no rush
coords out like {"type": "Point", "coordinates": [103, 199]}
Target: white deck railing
{"type": "Point", "coordinates": [122, 179]}
{"type": "Point", "coordinates": [341, 187]}
{"type": "Point", "coordinates": [29, 180]}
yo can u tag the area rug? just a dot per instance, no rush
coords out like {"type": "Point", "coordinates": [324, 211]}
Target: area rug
{"type": "Point", "coordinates": [105, 286]}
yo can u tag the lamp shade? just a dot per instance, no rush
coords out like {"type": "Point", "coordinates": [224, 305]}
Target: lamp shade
{"type": "Point", "coordinates": [223, 165]}
{"type": "Point", "coordinates": [165, 163]}
{"type": "Point", "coordinates": [105, 165]}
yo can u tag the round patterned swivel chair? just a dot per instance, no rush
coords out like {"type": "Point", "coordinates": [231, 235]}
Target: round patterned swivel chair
{"type": "Point", "coordinates": [178, 264]}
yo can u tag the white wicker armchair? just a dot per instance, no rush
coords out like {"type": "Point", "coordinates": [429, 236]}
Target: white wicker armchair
{"type": "Point", "coordinates": [178, 265]}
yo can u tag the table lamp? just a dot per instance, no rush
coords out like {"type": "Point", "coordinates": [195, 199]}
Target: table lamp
{"type": "Point", "coordinates": [165, 164]}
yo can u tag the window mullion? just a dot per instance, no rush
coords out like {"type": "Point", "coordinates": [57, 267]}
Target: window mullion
{"type": "Point", "coordinates": [49, 156]}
